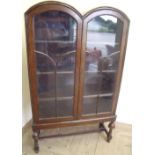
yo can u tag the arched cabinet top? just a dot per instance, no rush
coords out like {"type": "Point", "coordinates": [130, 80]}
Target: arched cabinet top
{"type": "Point", "coordinates": [106, 10]}
{"type": "Point", "coordinates": [53, 6]}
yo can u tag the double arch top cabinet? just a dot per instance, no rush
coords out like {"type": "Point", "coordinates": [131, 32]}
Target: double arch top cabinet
{"type": "Point", "coordinates": [75, 65]}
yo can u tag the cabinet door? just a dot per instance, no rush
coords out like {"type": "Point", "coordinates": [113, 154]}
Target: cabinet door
{"type": "Point", "coordinates": [53, 62]}
{"type": "Point", "coordinates": [102, 61]}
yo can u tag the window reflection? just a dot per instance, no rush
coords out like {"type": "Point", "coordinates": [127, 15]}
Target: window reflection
{"type": "Point", "coordinates": [101, 63]}
{"type": "Point", "coordinates": [103, 43]}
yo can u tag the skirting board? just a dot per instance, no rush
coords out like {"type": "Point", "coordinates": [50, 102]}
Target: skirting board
{"type": "Point", "coordinates": [26, 126]}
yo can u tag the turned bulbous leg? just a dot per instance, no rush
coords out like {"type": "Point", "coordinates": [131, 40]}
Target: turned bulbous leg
{"type": "Point", "coordinates": [111, 127]}
{"type": "Point", "coordinates": [36, 144]}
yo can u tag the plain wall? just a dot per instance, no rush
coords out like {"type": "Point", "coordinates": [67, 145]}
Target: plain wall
{"type": "Point", "coordinates": [138, 54]}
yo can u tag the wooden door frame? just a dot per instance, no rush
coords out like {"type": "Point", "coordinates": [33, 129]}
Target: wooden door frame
{"type": "Point", "coordinates": [29, 14]}
{"type": "Point", "coordinates": [86, 18]}
{"type": "Point", "coordinates": [80, 57]}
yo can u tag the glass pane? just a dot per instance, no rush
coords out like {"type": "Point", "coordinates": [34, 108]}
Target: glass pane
{"type": "Point", "coordinates": [65, 107]}
{"type": "Point", "coordinates": [47, 108]}
{"type": "Point", "coordinates": [45, 85]}
{"type": "Point", "coordinates": [104, 104]}
{"type": "Point", "coordinates": [89, 106]}
{"type": "Point", "coordinates": [55, 50]}
{"type": "Point", "coordinates": [65, 86]}
{"type": "Point", "coordinates": [101, 60]}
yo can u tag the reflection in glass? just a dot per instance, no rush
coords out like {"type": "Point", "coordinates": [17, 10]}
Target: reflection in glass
{"type": "Point", "coordinates": [101, 59]}
{"type": "Point", "coordinates": [45, 85]}
{"type": "Point", "coordinates": [55, 50]}
{"type": "Point", "coordinates": [88, 106]}
{"type": "Point", "coordinates": [103, 43]}
{"type": "Point", "coordinates": [104, 104]}
{"type": "Point", "coordinates": [47, 108]}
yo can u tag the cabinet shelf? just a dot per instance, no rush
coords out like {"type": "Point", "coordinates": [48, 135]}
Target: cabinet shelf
{"type": "Point", "coordinates": [58, 72]}
{"type": "Point", "coordinates": [71, 72]}
{"type": "Point", "coordinates": [58, 98]}
{"type": "Point", "coordinates": [103, 71]}
{"type": "Point", "coordinates": [54, 41]}
{"type": "Point", "coordinates": [98, 95]}
{"type": "Point", "coordinates": [71, 97]}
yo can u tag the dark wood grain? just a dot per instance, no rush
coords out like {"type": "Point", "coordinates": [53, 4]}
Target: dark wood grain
{"type": "Point", "coordinates": [77, 118]}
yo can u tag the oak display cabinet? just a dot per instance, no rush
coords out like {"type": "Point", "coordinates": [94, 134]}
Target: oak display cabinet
{"type": "Point", "coordinates": [75, 65]}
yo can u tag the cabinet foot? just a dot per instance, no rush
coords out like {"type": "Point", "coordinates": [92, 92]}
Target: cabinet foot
{"type": "Point", "coordinates": [111, 126]}
{"type": "Point", "coordinates": [36, 144]}
{"type": "Point", "coordinates": [108, 132]}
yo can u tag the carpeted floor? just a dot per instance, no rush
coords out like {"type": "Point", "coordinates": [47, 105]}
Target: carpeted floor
{"type": "Point", "coordinates": [82, 144]}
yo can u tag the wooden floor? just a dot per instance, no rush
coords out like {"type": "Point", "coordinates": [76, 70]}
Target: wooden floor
{"type": "Point", "coordinates": [81, 144]}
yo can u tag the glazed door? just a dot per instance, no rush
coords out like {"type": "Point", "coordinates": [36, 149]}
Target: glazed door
{"type": "Point", "coordinates": [55, 54]}
{"type": "Point", "coordinates": [102, 45]}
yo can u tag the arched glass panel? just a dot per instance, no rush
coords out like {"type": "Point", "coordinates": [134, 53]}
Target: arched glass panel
{"type": "Point", "coordinates": [102, 52]}
{"type": "Point", "coordinates": [55, 52]}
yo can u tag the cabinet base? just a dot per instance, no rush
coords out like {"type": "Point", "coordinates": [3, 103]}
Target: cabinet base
{"type": "Point", "coordinates": [111, 125]}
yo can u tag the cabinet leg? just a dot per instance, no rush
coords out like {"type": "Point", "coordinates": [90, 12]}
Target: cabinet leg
{"type": "Point", "coordinates": [111, 126]}
{"type": "Point", "coordinates": [103, 128]}
{"type": "Point", "coordinates": [108, 132]}
{"type": "Point", "coordinates": [36, 144]}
